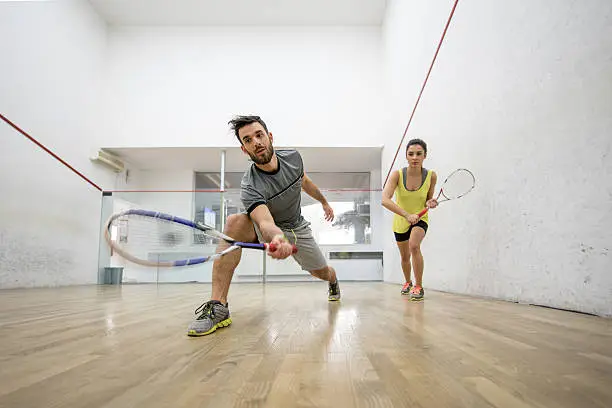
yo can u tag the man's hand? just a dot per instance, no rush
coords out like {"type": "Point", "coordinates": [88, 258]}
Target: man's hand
{"type": "Point", "coordinates": [312, 190]}
{"type": "Point", "coordinates": [412, 218]}
{"type": "Point", "coordinates": [329, 212]}
{"type": "Point", "coordinates": [433, 203]}
{"type": "Point", "coordinates": [283, 248]}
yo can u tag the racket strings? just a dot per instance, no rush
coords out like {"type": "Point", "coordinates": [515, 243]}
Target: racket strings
{"type": "Point", "coordinates": [154, 238]}
{"type": "Point", "coordinates": [458, 184]}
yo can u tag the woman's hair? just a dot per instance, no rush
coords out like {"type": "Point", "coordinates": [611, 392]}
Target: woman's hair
{"type": "Point", "coordinates": [417, 142]}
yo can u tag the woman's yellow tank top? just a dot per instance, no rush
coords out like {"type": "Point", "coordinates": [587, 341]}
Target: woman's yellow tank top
{"type": "Point", "coordinates": [411, 201]}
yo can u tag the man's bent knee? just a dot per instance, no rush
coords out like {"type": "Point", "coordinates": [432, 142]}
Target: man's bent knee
{"type": "Point", "coordinates": [323, 273]}
{"type": "Point", "coordinates": [240, 227]}
{"type": "Point", "coordinates": [320, 271]}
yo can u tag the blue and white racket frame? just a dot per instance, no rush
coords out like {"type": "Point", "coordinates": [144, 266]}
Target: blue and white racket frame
{"type": "Point", "coordinates": [208, 230]}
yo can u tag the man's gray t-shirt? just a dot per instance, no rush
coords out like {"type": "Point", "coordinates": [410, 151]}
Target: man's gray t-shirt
{"type": "Point", "coordinates": [280, 190]}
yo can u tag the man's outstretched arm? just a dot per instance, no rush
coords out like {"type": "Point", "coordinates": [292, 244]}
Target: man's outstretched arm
{"type": "Point", "coordinates": [270, 232]}
{"type": "Point", "coordinates": [312, 190]}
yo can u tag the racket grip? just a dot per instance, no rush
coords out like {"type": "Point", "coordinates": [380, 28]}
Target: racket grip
{"type": "Point", "coordinates": [423, 212]}
{"type": "Point", "coordinates": [273, 248]}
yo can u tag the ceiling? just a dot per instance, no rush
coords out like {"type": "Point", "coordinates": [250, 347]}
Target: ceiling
{"type": "Point", "coordinates": [241, 12]}
{"type": "Point", "coordinates": [208, 159]}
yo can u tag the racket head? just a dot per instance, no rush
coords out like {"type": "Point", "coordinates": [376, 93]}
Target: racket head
{"type": "Point", "coordinates": [459, 183]}
{"type": "Point", "coordinates": [156, 239]}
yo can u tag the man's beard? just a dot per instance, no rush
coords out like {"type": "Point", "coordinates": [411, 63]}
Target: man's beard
{"type": "Point", "coordinates": [265, 159]}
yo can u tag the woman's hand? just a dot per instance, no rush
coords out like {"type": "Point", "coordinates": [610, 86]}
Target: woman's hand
{"type": "Point", "coordinates": [412, 218]}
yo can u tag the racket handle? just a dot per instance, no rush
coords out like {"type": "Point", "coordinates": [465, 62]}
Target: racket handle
{"type": "Point", "coordinates": [273, 248]}
{"type": "Point", "coordinates": [423, 212]}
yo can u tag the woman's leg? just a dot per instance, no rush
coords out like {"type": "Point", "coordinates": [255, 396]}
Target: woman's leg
{"type": "Point", "coordinates": [404, 250]}
{"type": "Point", "coordinates": [414, 247]}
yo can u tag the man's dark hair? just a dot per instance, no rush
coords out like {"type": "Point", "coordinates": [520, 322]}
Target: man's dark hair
{"type": "Point", "coordinates": [240, 121]}
{"type": "Point", "coordinates": [417, 142]}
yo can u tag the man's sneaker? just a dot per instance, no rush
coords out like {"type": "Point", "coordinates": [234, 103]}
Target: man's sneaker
{"type": "Point", "coordinates": [406, 288]}
{"type": "Point", "coordinates": [213, 315]}
{"type": "Point", "coordinates": [333, 291]}
{"type": "Point", "coordinates": [417, 293]}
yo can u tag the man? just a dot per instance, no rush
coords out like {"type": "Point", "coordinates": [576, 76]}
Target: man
{"type": "Point", "coordinates": [271, 193]}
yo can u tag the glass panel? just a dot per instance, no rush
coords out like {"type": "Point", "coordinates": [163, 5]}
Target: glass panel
{"type": "Point", "coordinates": [352, 217]}
{"type": "Point", "coordinates": [212, 180]}
{"type": "Point", "coordinates": [208, 209]}
{"type": "Point", "coordinates": [325, 180]}
{"type": "Point", "coordinates": [353, 181]}
{"type": "Point", "coordinates": [352, 207]}
{"type": "Point", "coordinates": [358, 213]}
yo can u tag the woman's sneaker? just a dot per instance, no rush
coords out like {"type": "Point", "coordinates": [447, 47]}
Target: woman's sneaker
{"type": "Point", "coordinates": [417, 293]}
{"type": "Point", "coordinates": [406, 288]}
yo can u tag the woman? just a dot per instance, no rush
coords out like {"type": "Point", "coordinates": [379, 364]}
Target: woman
{"type": "Point", "coordinates": [414, 188]}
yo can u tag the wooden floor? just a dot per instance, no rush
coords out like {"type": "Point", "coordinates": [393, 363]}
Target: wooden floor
{"type": "Point", "coordinates": [126, 346]}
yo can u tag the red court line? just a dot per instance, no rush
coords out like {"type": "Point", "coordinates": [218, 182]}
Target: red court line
{"type": "Point", "coordinates": [349, 190]}
{"type": "Point", "coordinates": [433, 61]}
{"type": "Point", "coordinates": [164, 191]}
{"type": "Point", "coordinates": [17, 128]}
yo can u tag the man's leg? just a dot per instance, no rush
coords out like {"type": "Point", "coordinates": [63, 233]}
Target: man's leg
{"type": "Point", "coordinates": [328, 274]}
{"type": "Point", "coordinates": [239, 227]}
{"type": "Point", "coordinates": [215, 313]}
{"type": "Point", "coordinates": [311, 259]}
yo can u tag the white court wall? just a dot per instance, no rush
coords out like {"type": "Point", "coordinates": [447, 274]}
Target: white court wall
{"type": "Point", "coordinates": [51, 70]}
{"type": "Point", "coordinates": [314, 86]}
{"type": "Point", "coordinates": [521, 94]}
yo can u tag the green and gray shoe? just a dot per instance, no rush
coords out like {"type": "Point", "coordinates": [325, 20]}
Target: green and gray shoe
{"type": "Point", "coordinates": [213, 315]}
{"type": "Point", "coordinates": [333, 293]}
